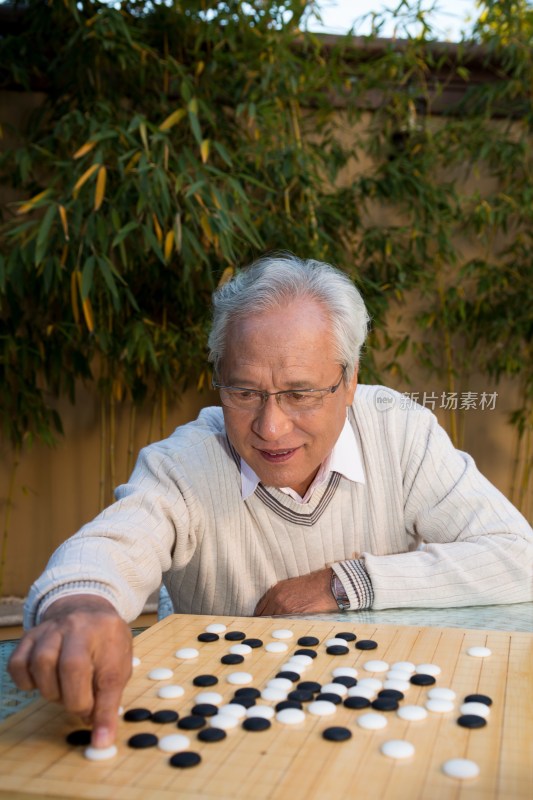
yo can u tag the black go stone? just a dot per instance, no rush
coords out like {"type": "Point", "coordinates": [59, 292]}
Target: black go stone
{"type": "Point", "coordinates": [336, 734]}
{"type": "Point", "coordinates": [310, 686]}
{"type": "Point", "coordinates": [300, 695]}
{"type": "Point", "coordinates": [191, 723]}
{"type": "Point", "coordinates": [235, 636]}
{"type": "Point", "coordinates": [185, 759]}
{"type": "Point", "coordinates": [208, 637]}
{"type": "Point", "coordinates": [137, 715]}
{"type": "Point", "coordinates": [212, 735]}
{"type": "Point", "coordinates": [422, 680]}
{"type": "Point", "coordinates": [205, 680]}
{"type": "Point", "coordinates": [141, 740]}
{"type": "Point", "coordinates": [394, 693]}
{"type": "Point", "coordinates": [357, 702]}
{"type": "Point", "coordinates": [308, 641]}
{"type": "Point", "coordinates": [247, 691]}
{"type": "Point", "coordinates": [471, 721]}
{"type": "Point", "coordinates": [306, 652]}
{"type": "Point", "coordinates": [385, 704]}
{"type": "Point", "coordinates": [247, 701]}
{"type": "Point", "coordinates": [347, 636]}
{"type": "Point", "coordinates": [256, 724]}
{"type": "Point", "coordinates": [366, 644]}
{"type": "Point", "coordinates": [204, 710]}
{"type": "Point", "coordinates": [291, 676]}
{"type": "Point", "coordinates": [337, 650]}
{"type": "Point", "coordinates": [288, 704]}
{"type": "Point", "coordinates": [79, 737]}
{"type": "Point", "coordinates": [345, 680]}
{"type": "Point", "coordinates": [164, 716]}
{"type": "Point", "coordinates": [253, 643]}
{"type": "Point", "coordinates": [478, 698]}
{"type": "Point", "coordinates": [332, 697]}
{"type": "Point", "coordinates": [232, 658]}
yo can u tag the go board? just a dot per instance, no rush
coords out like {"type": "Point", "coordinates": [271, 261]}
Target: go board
{"type": "Point", "coordinates": [294, 761]}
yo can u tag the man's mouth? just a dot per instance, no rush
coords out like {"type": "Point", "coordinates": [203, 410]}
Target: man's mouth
{"type": "Point", "coordinates": [277, 456]}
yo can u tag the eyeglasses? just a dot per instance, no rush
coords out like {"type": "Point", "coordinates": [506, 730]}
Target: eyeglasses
{"type": "Point", "coordinates": [291, 401]}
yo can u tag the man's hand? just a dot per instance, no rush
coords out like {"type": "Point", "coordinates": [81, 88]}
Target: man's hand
{"type": "Point", "coordinates": [307, 594]}
{"type": "Point", "coordinates": [79, 655]}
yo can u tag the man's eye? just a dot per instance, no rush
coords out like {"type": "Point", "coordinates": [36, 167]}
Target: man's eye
{"type": "Point", "coordinates": [245, 394]}
{"type": "Point", "coordinates": [297, 397]}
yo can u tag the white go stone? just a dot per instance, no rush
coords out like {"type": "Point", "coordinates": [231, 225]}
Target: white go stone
{"type": "Point", "coordinates": [397, 748]}
{"type": "Point", "coordinates": [216, 627]}
{"type": "Point", "coordinates": [361, 691]}
{"type": "Point", "coordinates": [428, 669]}
{"type": "Point", "coordinates": [282, 633]}
{"type": "Point", "coordinates": [135, 661]}
{"type": "Point", "coordinates": [371, 683]}
{"type": "Point", "coordinates": [371, 721]}
{"type": "Point", "coordinates": [439, 706]}
{"type": "Point", "coordinates": [276, 647]}
{"type": "Point", "coordinates": [376, 666]}
{"type": "Point", "coordinates": [398, 675]}
{"type": "Point", "coordinates": [441, 693]}
{"type": "Point", "coordinates": [160, 674]}
{"type": "Point", "coordinates": [234, 709]}
{"type": "Point", "coordinates": [399, 686]}
{"type": "Point", "coordinates": [171, 691]}
{"type": "Point", "coordinates": [212, 698]}
{"type": "Point", "coordinates": [290, 716]}
{"type": "Point", "coordinates": [239, 678]}
{"type": "Point", "coordinates": [321, 708]}
{"type": "Point", "coordinates": [173, 743]}
{"type": "Point", "coordinates": [301, 659]}
{"type": "Point", "coordinates": [479, 709]}
{"type": "Point", "coordinates": [266, 712]}
{"type": "Point", "coordinates": [187, 653]}
{"type": "Point", "coordinates": [335, 641]}
{"type": "Point", "coordinates": [335, 688]}
{"type": "Point", "coordinates": [240, 649]}
{"type": "Point", "coordinates": [120, 711]}
{"type": "Point", "coordinates": [293, 666]}
{"type": "Point", "coordinates": [348, 672]}
{"type": "Point", "coordinates": [100, 753]}
{"type": "Point", "coordinates": [479, 652]}
{"type": "Point", "coordinates": [224, 721]}
{"type": "Point", "coordinates": [412, 713]}
{"type": "Point", "coordinates": [280, 683]}
{"type": "Point", "coordinates": [461, 768]}
{"type": "Point", "coordinates": [407, 666]}
{"type": "Point", "coordinates": [274, 695]}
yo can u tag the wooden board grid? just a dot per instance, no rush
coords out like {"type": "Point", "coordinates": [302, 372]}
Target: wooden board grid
{"type": "Point", "coordinates": [294, 762]}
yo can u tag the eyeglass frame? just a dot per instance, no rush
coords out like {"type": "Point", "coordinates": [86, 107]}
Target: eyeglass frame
{"type": "Point", "coordinates": [265, 395]}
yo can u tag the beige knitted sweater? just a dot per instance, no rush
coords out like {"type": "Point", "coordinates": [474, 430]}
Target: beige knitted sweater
{"type": "Point", "coordinates": [433, 531]}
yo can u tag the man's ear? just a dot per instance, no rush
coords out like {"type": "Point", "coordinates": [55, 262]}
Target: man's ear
{"type": "Point", "coordinates": [351, 387]}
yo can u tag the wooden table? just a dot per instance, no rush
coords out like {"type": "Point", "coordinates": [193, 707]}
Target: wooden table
{"type": "Point", "coordinates": [296, 763]}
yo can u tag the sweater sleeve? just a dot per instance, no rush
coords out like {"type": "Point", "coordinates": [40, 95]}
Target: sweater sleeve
{"type": "Point", "coordinates": [476, 548]}
{"type": "Point", "coordinates": [122, 554]}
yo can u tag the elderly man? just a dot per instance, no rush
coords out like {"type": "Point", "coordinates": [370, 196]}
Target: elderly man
{"type": "Point", "coordinates": [303, 493]}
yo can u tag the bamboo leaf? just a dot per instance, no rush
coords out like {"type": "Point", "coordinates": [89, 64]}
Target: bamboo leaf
{"type": "Point", "coordinates": [169, 242]}
{"type": "Point", "coordinates": [204, 150]}
{"type": "Point", "coordinates": [173, 119]}
{"type": "Point", "coordinates": [87, 277]}
{"type": "Point", "coordinates": [84, 149]}
{"type": "Point", "coordinates": [64, 222]}
{"type": "Point", "coordinates": [74, 289]}
{"type": "Point", "coordinates": [29, 205]}
{"type": "Point", "coordinates": [84, 178]}
{"type": "Point", "coordinates": [44, 231]}
{"type": "Point", "coordinates": [226, 275]}
{"type": "Point", "coordinates": [99, 192]}
{"type": "Point", "coordinates": [123, 232]}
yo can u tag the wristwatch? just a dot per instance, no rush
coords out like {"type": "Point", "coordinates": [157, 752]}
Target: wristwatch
{"type": "Point", "coordinates": [339, 592]}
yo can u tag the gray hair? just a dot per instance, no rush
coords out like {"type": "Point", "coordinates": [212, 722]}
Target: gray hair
{"type": "Point", "coordinates": [276, 279]}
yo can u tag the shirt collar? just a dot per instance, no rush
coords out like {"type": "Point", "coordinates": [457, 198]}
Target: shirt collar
{"type": "Point", "coordinates": [345, 458]}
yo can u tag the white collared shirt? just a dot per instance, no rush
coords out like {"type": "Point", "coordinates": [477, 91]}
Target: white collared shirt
{"type": "Point", "coordinates": [345, 458]}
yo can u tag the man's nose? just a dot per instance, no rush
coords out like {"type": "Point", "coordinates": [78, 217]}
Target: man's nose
{"type": "Point", "coordinates": [271, 422]}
